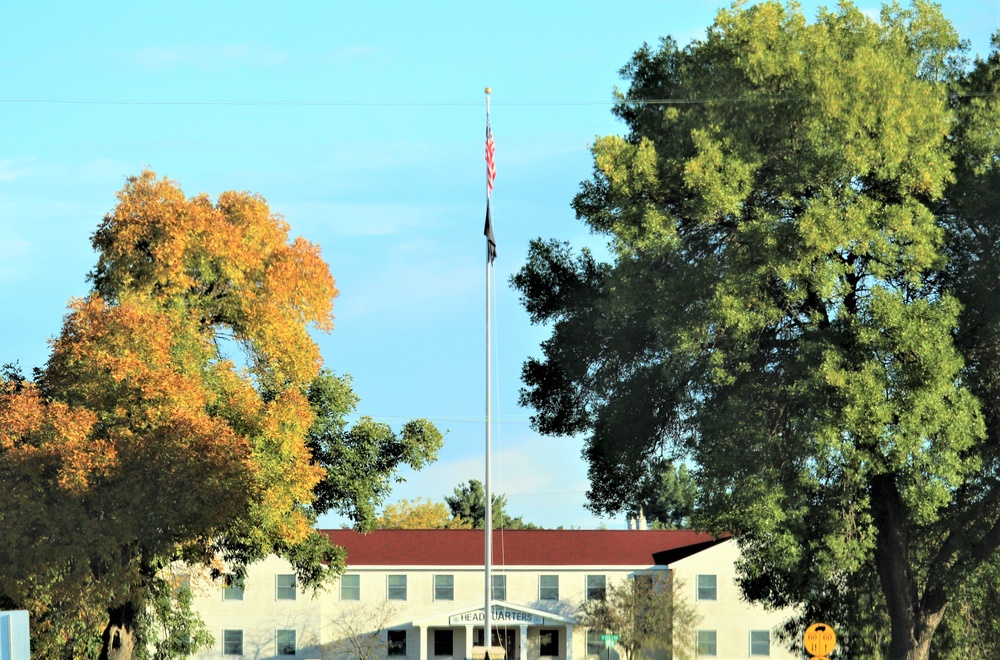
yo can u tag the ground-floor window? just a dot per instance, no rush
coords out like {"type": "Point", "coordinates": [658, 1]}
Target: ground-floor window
{"type": "Point", "coordinates": [444, 642]}
{"type": "Point", "coordinates": [548, 642]}
{"type": "Point", "coordinates": [397, 642]}
{"type": "Point", "coordinates": [285, 642]}
{"type": "Point", "coordinates": [595, 645]}
{"type": "Point", "coordinates": [760, 642]}
{"type": "Point", "coordinates": [706, 643]}
{"type": "Point", "coordinates": [232, 642]}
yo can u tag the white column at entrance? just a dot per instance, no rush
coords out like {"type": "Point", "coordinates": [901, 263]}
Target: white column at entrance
{"type": "Point", "coordinates": [569, 642]}
{"type": "Point", "coordinates": [423, 642]}
{"type": "Point", "coordinates": [468, 643]}
{"type": "Point", "coordinates": [524, 644]}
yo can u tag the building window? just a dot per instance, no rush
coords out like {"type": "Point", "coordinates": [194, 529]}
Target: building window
{"type": "Point", "coordinates": [285, 587]}
{"type": "Point", "coordinates": [548, 587]}
{"type": "Point", "coordinates": [596, 587]}
{"type": "Point", "coordinates": [233, 591]}
{"type": "Point", "coordinates": [548, 642]}
{"type": "Point", "coordinates": [595, 645]}
{"type": "Point", "coordinates": [760, 642]}
{"type": "Point", "coordinates": [232, 642]}
{"type": "Point", "coordinates": [443, 642]}
{"type": "Point", "coordinates": [181, 582]}
{"type": "Point", "coordinates": [350, 587]}
{"type": "Point", "coordinates": [706, 643]}
{"type": "Point", "coordinates": [285, 642]}
{"type": "Point", "coordinates": [397, 587]}
{"type": "Point", "coordinates": [444, 587]}
{"type": "Point", "coordinates": [499, 587]}
{"type": "Point", "coordinates": [397, 642]}
{"type": "Point", "coordinates": [706, 587]}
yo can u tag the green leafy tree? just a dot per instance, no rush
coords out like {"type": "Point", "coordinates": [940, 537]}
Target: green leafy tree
{"type": "Point", "coordinates": [469, 505]}
{"type": "Point", "coordinates": [801, 300]}
{"type": "Point", "coordinates": [170, 628]}
{"type": "Point", "coordinates": [648, 613]}
{"type": "Point", "coordinates": [667, 500]}
{"type": "Point", "coordinates": [145, 439]}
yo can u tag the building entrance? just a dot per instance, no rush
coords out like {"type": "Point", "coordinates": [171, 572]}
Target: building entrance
{"type": "Point", "coordinates": [505, 637]}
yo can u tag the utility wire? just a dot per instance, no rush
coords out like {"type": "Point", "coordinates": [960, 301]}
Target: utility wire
{"type": "Point", "coordinates": [447, 104]}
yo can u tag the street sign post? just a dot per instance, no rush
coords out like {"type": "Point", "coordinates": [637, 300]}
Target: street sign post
{"type": "Point", "coordinates": [609, 640]}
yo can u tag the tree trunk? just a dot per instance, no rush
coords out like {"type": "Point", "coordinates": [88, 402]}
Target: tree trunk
{"type": "Point", "coordinates": [119, 637]}
{"type": "Point", "coordinates": [913, 620]}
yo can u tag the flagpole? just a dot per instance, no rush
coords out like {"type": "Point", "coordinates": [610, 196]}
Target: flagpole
{"type": "Point", "coordinates": [488, 523]}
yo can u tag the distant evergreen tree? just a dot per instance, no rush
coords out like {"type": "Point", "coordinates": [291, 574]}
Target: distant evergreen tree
{"type": "Point", "coordinates": [469, 504]}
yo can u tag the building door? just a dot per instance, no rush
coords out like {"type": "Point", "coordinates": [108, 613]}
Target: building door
{"type": "Point", "coordinates": [505, 637]}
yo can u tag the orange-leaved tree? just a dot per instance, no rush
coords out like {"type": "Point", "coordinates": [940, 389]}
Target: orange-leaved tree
{"type": "Point", "coordinates": [419, 514]}
{"type": "Point", "coordinates": [182, 415]}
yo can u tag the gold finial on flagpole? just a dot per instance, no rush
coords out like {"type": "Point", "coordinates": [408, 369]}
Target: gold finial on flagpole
{"type": "Point", "coordinates": [489, 89]}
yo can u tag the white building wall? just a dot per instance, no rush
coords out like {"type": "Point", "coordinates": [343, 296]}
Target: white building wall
{"type": "Point", "coordinates": [315, 617]}
{"type": "Point", "coordinates": [261, 614]}
{"type": "Point", "coordinates": [728, 615]}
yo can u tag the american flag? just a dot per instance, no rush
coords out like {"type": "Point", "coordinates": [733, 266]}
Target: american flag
{"type": "Point", "coordinates": [491, 168]}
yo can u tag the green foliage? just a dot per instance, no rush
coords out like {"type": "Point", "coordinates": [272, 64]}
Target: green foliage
{"type": "Point", "coordinates": [469, 505]}
{"type": "Point", "coordinates": [667, 500]}
{"type": "Point", "coordinates": [801, 300]}
{"type": "Point", "coordinates": [360, 461]}
{"type": "Point", "coordinates": [648, 613]}
{"type": "Point", "coordinates": [171, 629]}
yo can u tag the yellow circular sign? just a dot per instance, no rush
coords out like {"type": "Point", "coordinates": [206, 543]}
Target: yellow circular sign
{"type": "Point", "coordinates": [819, 639]}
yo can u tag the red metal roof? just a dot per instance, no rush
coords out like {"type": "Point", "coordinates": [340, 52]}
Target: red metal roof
{"type": "Point", "coordinates": [549, 547]}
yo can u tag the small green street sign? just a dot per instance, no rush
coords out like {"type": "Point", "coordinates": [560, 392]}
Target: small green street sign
{"type": "Point", "coordinates": [609, 640]}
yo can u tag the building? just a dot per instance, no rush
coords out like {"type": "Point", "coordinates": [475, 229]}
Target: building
{"type": "Point", "coordinates": [419, 594]}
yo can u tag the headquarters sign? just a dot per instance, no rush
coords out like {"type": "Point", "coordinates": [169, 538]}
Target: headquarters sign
{"type": "Point", "coordinates": [500, 615]}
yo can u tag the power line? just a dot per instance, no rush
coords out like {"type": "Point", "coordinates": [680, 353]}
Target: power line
{"type": "Point", "coordinates": [447, 104]}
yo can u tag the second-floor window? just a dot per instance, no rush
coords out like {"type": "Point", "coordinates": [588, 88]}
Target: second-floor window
{"type": "Point", "coordinates": [444, 587]}
{"type": "Point", "coordinates": [706, 587]}
{"type": "Point", "coordinates": [233, 591]}
{"type": "Point", "coordinates": [285, 587]}
{"type": "Point", "coordinates": [596, 587]}
{"type": "Point", "coordinates": [350, 587]}
{"type": "Point", "coordinates": [499, 587]}
{"type": "Point", "coordinates": [548, 587]}
{"type": "Point", "coordinates": [396, 587]}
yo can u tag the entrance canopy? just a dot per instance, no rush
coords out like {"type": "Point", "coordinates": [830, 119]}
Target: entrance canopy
{"type": "Point", "coordinates": [510, 622]}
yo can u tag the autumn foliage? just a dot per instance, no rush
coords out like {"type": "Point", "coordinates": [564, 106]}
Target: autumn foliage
{"type": "Point", "coordinates": [171, 420]}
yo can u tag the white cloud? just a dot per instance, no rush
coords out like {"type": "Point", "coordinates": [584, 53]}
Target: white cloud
{"type": "Point", "coordinates": [354, 219]}
{"type": "Point", "coordinates": [351, 54]}
{"type": "Point", "coordinates": [15, 168]}
{"type": "Point", "coordinates": [874, 14]}
{"type": "Point", "coordinates": [378, 155]}
{"type": "Point", "coordinates": [210, 56]}
{"type": "Point", "coordinates": [406, 287]}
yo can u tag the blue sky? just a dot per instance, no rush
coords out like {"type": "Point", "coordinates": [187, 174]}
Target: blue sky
{"type": "Point", "coordinates": [362, 124]}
